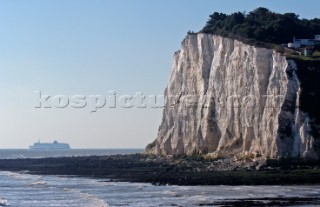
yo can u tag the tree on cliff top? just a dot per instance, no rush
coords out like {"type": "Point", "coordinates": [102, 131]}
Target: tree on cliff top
{"type": "Point", "coordinates": [262, 25]}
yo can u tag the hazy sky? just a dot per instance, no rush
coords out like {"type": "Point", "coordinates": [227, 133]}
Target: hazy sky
{"type": "Point", "coordinates": [89, 47]}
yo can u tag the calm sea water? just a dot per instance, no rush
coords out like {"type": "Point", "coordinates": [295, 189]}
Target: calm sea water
{"type": "Point", "coordinates": [26, 153]}
{"type": "Point", "coordinates": [24, 190]}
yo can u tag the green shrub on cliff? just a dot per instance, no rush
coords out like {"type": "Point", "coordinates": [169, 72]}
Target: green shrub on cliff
{"type": "Point", "coordinates": [262, 25]}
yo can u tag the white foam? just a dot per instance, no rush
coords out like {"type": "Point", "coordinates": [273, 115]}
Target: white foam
{"type": "Point", "coordinates": [95, 201]}
{"type": "Point", "coordinates": [169, 192]}
{"type": "Point", "coordinates": [39, 182]}
{"type": "Point", "coordinates": [91, 199]}
{"type": "Point", "coordinates": [3, 202]}
{"type": "Point", "coordinates": [20, 175]}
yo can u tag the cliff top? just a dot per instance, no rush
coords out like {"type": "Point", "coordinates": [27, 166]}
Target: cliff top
{"type": "Point", "coordinates": [262, 26]}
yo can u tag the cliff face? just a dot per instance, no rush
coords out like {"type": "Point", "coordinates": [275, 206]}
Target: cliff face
{"type": "Point", "coordinates": [228, 98]}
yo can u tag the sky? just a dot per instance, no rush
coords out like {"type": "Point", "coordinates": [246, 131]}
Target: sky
{"type": "Point", "coordinates": [94, 49]}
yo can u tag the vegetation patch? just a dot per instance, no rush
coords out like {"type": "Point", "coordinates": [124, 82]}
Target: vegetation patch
{"type": "Point", "coordinates": [262, 26]}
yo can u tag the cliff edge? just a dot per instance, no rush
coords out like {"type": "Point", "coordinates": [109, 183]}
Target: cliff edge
{"type": "Point", "coordinates": [227, 98]}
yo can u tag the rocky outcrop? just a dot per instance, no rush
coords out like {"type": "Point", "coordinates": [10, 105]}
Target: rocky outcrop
{"type": "Point", "coordinates": [226, 98]}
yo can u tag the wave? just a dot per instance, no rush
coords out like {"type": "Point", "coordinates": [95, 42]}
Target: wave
{"type": "Point", "coordinates": [97, 202]}
{"type": "Point", "coordinates": [172, 193]}
{"type": "Point", "coordinates": [22, 175]}
{"type": "Point", "coordinates": [92, 199]}
{"type": "Point", "coordinates": [3, 202]}
{"type": "Point", "coordinates": [39, 182]}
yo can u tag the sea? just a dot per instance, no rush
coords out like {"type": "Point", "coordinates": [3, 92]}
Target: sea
{"type": "Point", "coordinates": [26, 153]}
{"type": "Point", "coordinates": [25, 190]}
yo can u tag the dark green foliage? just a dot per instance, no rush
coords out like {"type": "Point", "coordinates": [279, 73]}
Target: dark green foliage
{"type": "Point", "coordinates": [262, 25]}
{"type": "Point", "coordinates": [191, 33]}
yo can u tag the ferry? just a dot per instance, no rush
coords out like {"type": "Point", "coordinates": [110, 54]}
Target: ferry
{"type": "Point", "coordinates": [50, 146]}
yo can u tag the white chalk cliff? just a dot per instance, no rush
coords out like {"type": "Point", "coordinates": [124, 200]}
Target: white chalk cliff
{"type": "Point", "coordinates": [225, 97]}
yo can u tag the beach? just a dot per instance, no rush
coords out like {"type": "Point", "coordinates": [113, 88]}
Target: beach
{"type": "Point", "coordinates": [172, 170]}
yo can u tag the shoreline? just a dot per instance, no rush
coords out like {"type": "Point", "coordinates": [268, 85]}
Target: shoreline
{"type": "Point", "coordinates": [172, 170]}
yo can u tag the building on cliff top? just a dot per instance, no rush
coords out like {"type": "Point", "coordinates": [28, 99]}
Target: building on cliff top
{"type": "Point", "coordinates": [298, 43]}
